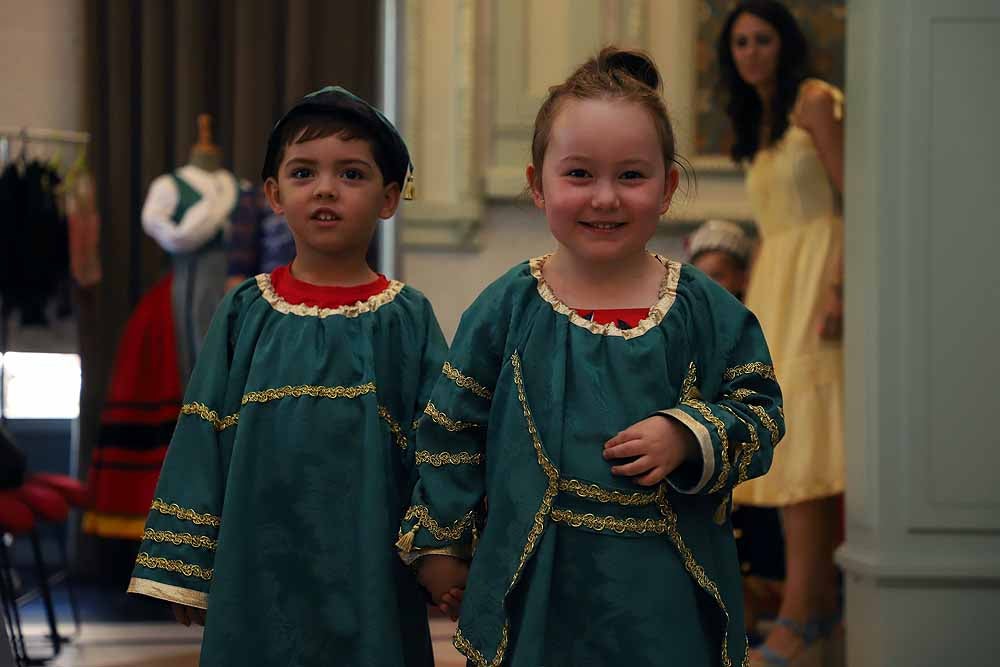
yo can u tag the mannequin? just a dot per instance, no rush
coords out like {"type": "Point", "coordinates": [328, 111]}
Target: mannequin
{"type": "Point", "coordinates": [188, 213]}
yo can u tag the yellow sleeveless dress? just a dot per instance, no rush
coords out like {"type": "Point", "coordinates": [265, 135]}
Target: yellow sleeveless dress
{"type": "Point", "coordinates": [798, 217]}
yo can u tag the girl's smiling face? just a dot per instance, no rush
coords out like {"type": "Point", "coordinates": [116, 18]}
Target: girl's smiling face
{"type": "Point", "coordinates": [603, 184]}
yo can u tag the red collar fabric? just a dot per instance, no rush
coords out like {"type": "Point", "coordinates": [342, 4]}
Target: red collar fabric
{"type": "Point", "coordinates": [617, 316]}
{"type": "Point", "coordinates": [295, 291]}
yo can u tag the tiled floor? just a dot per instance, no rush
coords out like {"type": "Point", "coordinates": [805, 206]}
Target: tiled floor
{"type": "Point", "coordinates": [173, 645]}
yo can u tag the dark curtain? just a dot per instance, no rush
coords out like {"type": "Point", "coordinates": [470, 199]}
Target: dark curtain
{"type": "Point", "coordinates": [152, 67]}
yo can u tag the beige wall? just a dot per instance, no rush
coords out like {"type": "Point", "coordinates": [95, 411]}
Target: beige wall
{"type": "Point", "coordinates": [42, 63]}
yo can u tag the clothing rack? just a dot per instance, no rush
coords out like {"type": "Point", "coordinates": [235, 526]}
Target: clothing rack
{"type": "Point", "coordinates": [26, 136]}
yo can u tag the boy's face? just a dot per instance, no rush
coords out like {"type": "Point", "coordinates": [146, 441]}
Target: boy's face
{"type": "Point", "coordinates": [331, 192]}
{"type": "Point", "coordinates": [724, 269]}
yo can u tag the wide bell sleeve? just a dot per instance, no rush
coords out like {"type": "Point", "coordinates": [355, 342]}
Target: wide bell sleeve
{"type": "Point", "coordinates": [734, 408]}
{"type": "Point", "coordinates": [450, 452]}
{"type": "Point", "coordinates": [177, 554]}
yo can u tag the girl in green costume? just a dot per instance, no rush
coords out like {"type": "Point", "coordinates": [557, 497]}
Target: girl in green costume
{"type": "Point", "coordinates": [293, 460]}
{"type": "Point", "coordinates": [603, 402]}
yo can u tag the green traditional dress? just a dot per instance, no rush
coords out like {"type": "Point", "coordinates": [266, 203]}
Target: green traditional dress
{"type": "Point", "coordinates": [573, 565]}
{"type": "Point", "coordinates": [289, 469]}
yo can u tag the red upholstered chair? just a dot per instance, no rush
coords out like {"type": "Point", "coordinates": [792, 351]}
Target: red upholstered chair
{"type": "Point", "coordinates": [47, 498]}
{"type": "Point", "coordinates": [76, 495]}
{"type": "Point", "coordinates": [70, 488]}
{"type": "Point", "coordinates": [47, 503]}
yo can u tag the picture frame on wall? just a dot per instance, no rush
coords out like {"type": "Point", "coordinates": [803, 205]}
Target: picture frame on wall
{"type": "Point", "coordinates": [824, 25]}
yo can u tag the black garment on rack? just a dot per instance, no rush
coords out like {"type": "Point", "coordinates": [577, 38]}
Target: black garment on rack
{"type": "Point", "coordinates": [34, 247]}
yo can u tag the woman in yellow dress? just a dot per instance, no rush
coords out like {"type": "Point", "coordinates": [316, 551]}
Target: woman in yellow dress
{"type": "Point", "coordinates": [789, 134]}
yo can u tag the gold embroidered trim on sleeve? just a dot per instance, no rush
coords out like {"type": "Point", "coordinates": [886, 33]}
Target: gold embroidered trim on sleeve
{"type": "Point", "coordinates": [447, 458]}
{"type": "Point", "coordinates": [720, 429]}
{"type": "Point", "coordinates": [177, 539]}
{"type": "Point", "coordinates": [425, 520]}
{"type": "Point", "coordinates": [620, 526]}
{"type": "Point", "coordinates": [465, 382]}
{"type": "Point", "coordinates": [307, 390]}
{"type": "Point", "coordinates": [443, 420]}
{"type": "Point", "coordinates": [594, 492]}
{"type": "Point", "coordinates": [693, 568]}
{"type": "Point", "coordinates": [768, 423]}
{"type": "Point", "coordinates": [185, 514]}
{"type": "Point", "coordinates": [160, 591]}
{"type": "Point", "coordinates": [178, 566]}
{"type": "Point", "coordinates": [394, 427]}
{"type": "Point", "coordinates": [211, 416]}
{"type": "Point", "coordinates": [741, 394]}
{"type": "Point", "coordinates": [746, 451]}
{"type": "Point", "coordinates": [360, 308]}
{"type": "Point", "coordinates": [761, 369]}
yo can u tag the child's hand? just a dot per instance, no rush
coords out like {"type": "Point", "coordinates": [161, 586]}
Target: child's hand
{"type": "Point", "coordinates": [186, 615]}
{"type": "Point", "coordinates": [442, 576]}
{"type": "Point", "coordinates": [658, 445]}
{"type": "Point", "coordinates": [451, 603]}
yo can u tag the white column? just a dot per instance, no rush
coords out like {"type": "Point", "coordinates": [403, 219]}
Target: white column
{"type": "Point", "coordinates": [922, 557]}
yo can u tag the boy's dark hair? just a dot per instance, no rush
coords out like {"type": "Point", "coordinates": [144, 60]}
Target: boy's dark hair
{"type": "Point", "coordinates": [309, 125]}
{"type": "Point", "coordinates": [336, 111]}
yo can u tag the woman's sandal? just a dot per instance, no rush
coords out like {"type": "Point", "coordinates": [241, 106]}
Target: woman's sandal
{"type": "Point", "coordinates": [810, 655]}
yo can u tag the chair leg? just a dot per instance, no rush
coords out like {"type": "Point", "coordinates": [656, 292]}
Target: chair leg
{"type": "Point", "coordinates": [11, 614]}
{"type": "Point", "coordinates": [70, 587]}
{"type": "Point", "coordinates": [43, 585]}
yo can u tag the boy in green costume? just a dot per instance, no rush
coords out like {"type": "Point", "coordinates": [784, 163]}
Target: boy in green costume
{"type": "Point", "coordinates": [292, 460]}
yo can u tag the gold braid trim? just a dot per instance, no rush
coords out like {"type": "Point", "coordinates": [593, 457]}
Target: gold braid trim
{"type": "Point", "coordinates": [693, 568]}
{"type": "Point", "coordinates": [757, 367]}
{"type": "Point", "coordinates": [425, 520]}
{"type": "Point", "coordinates": [177, 539]}
{"type": "Point", "coordinates": [720, 429]}
{"type": "Point", "coordinates": [741, 394]}
{"type": "Point", "coordinates": [185, 514]}
{"type": "Point", "coordinates": [469, 651]}
{"type": "Point", "coordinates": [594, 492]}
{"type": "Point", "coordinates": [179, 566]}
{"type": "Point", "coordinates": [447, 458]}
{"type": "Point", "coordinates": [689, 390]}
{"type": "Point", "coordinates": [620, 526]}
{"type": "Point", "coordinates": [394, 427]}
{"type": "Point", "coordinates": [465, 382]}
{"type": "Point", "coordinates": [360, 308]}
{"type": "Point", "coordinates": [211, 416]}
{"type": "Point", "coordinates": [443, 420]}
{"type": "Point", "coordinates": [768, 423]}
{"type": "Point", "coordinates": [307, 390]}
{"type": "Point", "coordinates": [746, 452]}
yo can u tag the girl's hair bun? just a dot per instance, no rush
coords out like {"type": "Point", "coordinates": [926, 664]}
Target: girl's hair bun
{"type": "Point", "coordinates": [633, 64]}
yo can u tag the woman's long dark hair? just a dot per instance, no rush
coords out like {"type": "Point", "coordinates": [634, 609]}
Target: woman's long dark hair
{"type": "Point", "coordinates": [743, 105]}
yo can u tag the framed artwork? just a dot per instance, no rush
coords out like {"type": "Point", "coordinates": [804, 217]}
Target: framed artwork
{"type": "Point", "coordinates": [822, 21]}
